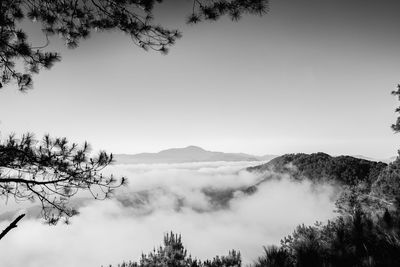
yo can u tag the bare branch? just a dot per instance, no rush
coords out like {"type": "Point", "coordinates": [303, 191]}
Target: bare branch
{"type": "Point", "coordinates": [11, 226]}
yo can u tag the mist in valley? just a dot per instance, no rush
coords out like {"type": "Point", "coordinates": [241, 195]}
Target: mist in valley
{"type": "Point", "coordinates": [209, 203]}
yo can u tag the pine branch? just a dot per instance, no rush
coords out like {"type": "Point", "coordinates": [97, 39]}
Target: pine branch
{"type": "Point", "coordinates": [11, 226]}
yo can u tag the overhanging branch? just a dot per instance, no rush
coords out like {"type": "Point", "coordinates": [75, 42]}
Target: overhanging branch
{"type": "Point", "coordinates": [11, 226]}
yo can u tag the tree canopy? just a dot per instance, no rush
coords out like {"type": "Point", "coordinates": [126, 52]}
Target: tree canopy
{"type": "Point", "coordinates": [318, 167]}
{"type": "Point", "coordinates": [74, 20]}
{"type": "Point", "coordinates": [396, 125]}
{"type": "Point", "coordinates": [173, 253]}
{"type": "Point", "coordinates": [53, 170]}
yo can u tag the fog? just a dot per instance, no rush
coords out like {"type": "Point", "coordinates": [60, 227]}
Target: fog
{"type": "Point", "coordinates": [205, 202]}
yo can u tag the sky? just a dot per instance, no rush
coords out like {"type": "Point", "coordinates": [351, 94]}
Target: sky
{"type": "Point", "coordinates": [309, 76]}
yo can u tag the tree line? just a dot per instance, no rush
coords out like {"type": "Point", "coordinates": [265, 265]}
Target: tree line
{"type": "Point", "coordinates": [366, 233]}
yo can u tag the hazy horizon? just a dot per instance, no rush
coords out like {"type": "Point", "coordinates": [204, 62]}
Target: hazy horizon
{"type": "Point", "coordinates": [306, 77]}
{"type": "Point", "coordinates": [243, 152]}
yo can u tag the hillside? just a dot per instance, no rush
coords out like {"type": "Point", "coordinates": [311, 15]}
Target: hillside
{"type": "Point", "coordinates": [186, 154]}
{"type": "Point", "coordinates": [320, 166]}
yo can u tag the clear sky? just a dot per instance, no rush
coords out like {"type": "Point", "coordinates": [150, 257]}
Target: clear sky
{"type": "Point", "coordinates": [312, 75]}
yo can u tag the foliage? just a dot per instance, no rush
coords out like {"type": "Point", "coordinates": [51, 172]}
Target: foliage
{"type": "Point", "coordinates": [318, 167]}
{"type": "Point", "coordinates": [212, 10]}
{"type": "Point", "coordinates": [387, 184]}
{"type": "Point", "coordinates": [274, 257]}
{"type": "Point", "coordinates": [357, 240]}
{"type": "Point", "coordinates": [396, 125]}
{"type": "Point", "coordinates": [374, 197]}
{"type": "Point", "coordinates": [52, 171]}
{"type": "Point", "coordinates": [367, 232]}
{"type": "Point", "coordinates": [74, 20]}
{"type": "Point", "coordinates": [173, 254]}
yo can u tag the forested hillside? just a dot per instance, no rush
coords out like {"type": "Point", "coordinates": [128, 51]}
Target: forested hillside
{"type": "Point", "coordinates": [323, 167]}
{"type": "Point", "coordinates": [365, 233]}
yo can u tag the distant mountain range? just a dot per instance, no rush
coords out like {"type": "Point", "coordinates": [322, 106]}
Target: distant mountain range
{"type": "Point", "coordinates": [387, 160]}
{"type": "Point", "coordinates": [187, 154]}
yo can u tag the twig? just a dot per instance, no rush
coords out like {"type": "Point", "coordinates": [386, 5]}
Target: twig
{"type": "Point", "coordinates": [11, 226]}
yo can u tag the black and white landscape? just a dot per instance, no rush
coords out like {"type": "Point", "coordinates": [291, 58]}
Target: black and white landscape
{"type": "Point", "coordinates": [187, 154]}
{"type": "Point", "coordinates": [202, 133]}
{"type": "Point", "coordinates": [214, 205]}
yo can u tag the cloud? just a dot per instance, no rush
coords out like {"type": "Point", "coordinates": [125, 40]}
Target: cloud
{"type": "Point", "coordinates": [165, 197]}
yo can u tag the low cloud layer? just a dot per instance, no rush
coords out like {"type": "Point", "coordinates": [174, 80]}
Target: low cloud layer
{"type": "Point", "coordinates": [202, 201]}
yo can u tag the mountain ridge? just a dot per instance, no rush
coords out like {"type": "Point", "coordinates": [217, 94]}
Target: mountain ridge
{"type": "Point", "coordinates": [320, 166]}
{"type": "Point", "coordinates": [185, 155]}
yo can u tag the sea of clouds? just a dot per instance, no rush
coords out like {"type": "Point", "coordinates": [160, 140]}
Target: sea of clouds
{"type": "Point", "coordinates": [205, 202]}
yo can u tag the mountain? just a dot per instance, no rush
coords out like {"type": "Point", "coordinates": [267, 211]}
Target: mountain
{"type": "Point", "coordinates": [186, 154]}
{"type": "Point", "coordinates": [386, 160]}
{"type": "Point", "coordinates": [267, 157]}
{"type": "Point", "coordinates": [323, 167]}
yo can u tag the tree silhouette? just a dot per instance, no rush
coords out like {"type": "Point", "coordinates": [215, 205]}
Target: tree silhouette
{"type": "Point", "coordinates": [274, 257]}
{"type": "Point", "coordinates": [396, 125]}
{"type": "Point", "coordinates": [74, 20]}
{"type": "Point", "coordinates": [52, 170]}
{"type": "Point", "coordinates": [174, 254]}
{"type": "Point", "coordinates": [367, 232]}
{"type": "Point", "coordinates": [360, 240]}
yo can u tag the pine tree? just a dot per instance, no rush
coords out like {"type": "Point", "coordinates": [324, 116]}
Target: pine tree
{"type": "Point", "coordinates": [74, 20]}
{"type": "Point", "coordinates": [173, 254]}
{"type": "Point", "coordinates": [52, 170]}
